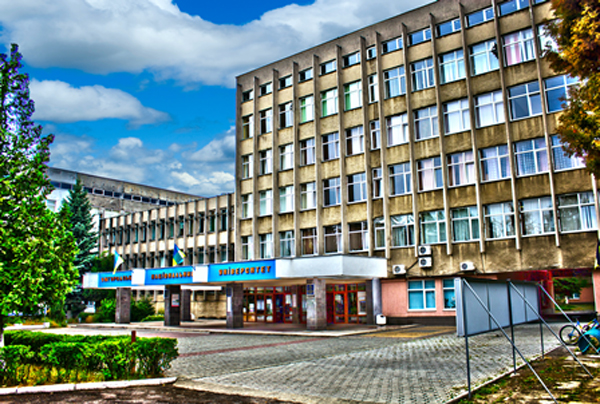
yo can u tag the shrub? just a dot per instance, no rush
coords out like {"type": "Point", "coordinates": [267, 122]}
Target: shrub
{"type": "Point", "coordinates": [155, 355]}
{"type": "Point", "coordinates": [13, 358]}
{"type": "Point", "coordinates": [155, 317]}
{"type": "Point", "coordinates": [106, 312]}
{"type": "Point", "coordinates": [141, 309]}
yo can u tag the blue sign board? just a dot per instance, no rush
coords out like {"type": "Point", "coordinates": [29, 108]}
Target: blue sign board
{"type": "Point", "coordinates": [169, 276]}
{"type": "Point", "coordinates": [121, 279]}
{"type": "Point", "coordinates": [241, 271]}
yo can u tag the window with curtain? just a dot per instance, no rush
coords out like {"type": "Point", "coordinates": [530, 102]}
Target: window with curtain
{"type": "Point", "coordinates": [494, 163]}
{"type": "Point", "coordinates": [537, 216]}
{"type": "Point", "coordinates": [499, 220]}
{"type": "Point", "coordinates": [358, 236]}
{"type": "Point", "coordinates": [379, 230]}
{"type": "Point", "coordinates": [461, 168]}
{"type": "Point", "coordinates": [577, 212]}
{"type": "Point", "coordinates": [531, 156]}
{"type": "Point", "coordinates": [465, 224]}
{"type": "Point", "coordinates": [562, 161]}
{"type": "Point", "coordinates": [397, 129]}
{"type": "Point", "coordinates": [430, 174]}
{"type": "Point", "coordinates": [433, 227]}
{"type": "Point", "coordinates": [287, 244]}
{"type": "Point", "coordinates": [518, 47]}
{"type": "Point", "coordinates": [403, 230]}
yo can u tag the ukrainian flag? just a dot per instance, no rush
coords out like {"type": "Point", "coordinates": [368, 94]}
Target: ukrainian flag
{"type": "Point", "coordinates": [178, 256]}
{"type": "Point", "coordinates": [118, 262]}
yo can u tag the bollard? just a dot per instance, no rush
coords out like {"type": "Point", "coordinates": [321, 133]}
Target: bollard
{"type": "Point", "coordinates": [133, 336]}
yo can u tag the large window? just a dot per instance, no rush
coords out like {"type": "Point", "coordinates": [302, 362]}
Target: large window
{"type": "Point", "coordinates": [266, 121]}
{"type": "Point", "coordinates": [518, 47]}
{"type": "Point", "coordinates": [331, 191]}
{"type": "Point", "coordinates": [286, 199]}
{"type": "Point", "coordinates": [355, 140]}
{"type": "Point", "coordinates": [265, 202]}
{"type": "Point", "coordinates": [499, 220]}
{"type": "Point", "coordinates": [531, 156]}
{"type": "Point", "coordinates": [403, 230]}
{"type": "Point", "coordinates": [456, 116]}
{"type": "Point", "coordinates": [353, 95]}
{"type": "Point", "coordinates": [465, 224]}
{"type": "Point", "coordinates": [433, 227]}
{"type": "Point", "coordinates": [421, 295]}
{"type": "Point", "coordinates": [331, 146]}
{"type": "Point", "coordinates": [307, 152]}
{"type": "Point", "coordinates": [525, 100]}
{"type": "Point", "coordinates": [265, 161]}
{"type": "Point", "coordinates": [286, 157]}
{"type": "Point", "coordinates": [397, 129]}
{"type": "Point", "coordinates": [309, 241]}
{"type": "Point", "coordinates": [359, 236]}
{"type": "Point", "coordinates": [394, 82]}
{"type": "Point", "coordinates": [448, 27]}
{"type": "Point", "coordinates": [266, 245]}
{"type": "Point", "coordinates": [377, 185]}
{"type": "Point", "coordinates": [426, 123]}
{"type": "Point", "coordinates": [452, 66]}
{"type": "Point", "coordinates": [494, 163]}
{"type": "Point", "coordinates": [562, 161]}
{"type": "Point", "coordinates": [247, 127]}
{"type": "Point", "coordinates": [449, 294]}
{"type": "Point", "coordinates": [285, 82]}
{"type": "Point", "coordinates": [286, 115]}
{"type": "Point", "coordinates": [307, 109]}
{"type": "Point", "coordinates": [357, 187]}
{"type": "Point", "coordinates": [287, 244]}
{"type": "Point", "coordinates": [246, 207]}
{"type": "Point", "coordinates": [333, 239]}
{"type": "Point", "coordinates": [418, 37]}
{"type": "Point", "coordinates": [489, 109]}
{"type": "Point", "coordinates": [461, 168]}
{"type": "Point", "coordinates": [537, 216]}
{"type": "Point", "coordinates": [308, 196]}
{"type": "Point", "coordinates": [511, 6]}
{"type": "Point", "coordinates": [328, 67]}
{"type": "Point", "coordinates": [351, 59]}
{"type": "Point", "coordinates": [247, 166]}
{"type": "Point", "coordinates": [265, 89]}
{"type": "Point", "coordinates": [577, 212]}
{"type": "Point", "coordinates": [373, 88]}
{"type": "Point", "coordinates": [430, 174]}
{"type": "Point", "coordinates": [247, 249]}
{"type": "Point", "coordinates": [400, 179]}
{"type": "Point", "coordinates": [480, 16]}
{"type": "Point", "coordinates": [557, 91]}
{"type": "Point", "coordinates": [484, 57]}
{"type": "Point", "coordinates": [391, 45]}
{"type": "Point", "coordinates": [305, 75]}
{"type": "Point", "coordinates": [422, 74]}
{"type": "Point", "coordinates": [329, 102]}
{"type": "Point", "coordinates": [375, 135]}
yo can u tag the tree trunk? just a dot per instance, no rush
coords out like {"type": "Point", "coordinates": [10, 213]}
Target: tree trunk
{"type": "Point", "coordinates": [1, 331]}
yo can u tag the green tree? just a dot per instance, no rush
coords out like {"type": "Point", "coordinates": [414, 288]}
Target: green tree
{"type": "Point", "coordinates": [36, 249]}
{"type": "Point", "coordinates": [565, 287]}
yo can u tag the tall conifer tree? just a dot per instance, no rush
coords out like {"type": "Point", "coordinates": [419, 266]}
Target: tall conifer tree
{"type": "Point", "coordinates": [82, 227]}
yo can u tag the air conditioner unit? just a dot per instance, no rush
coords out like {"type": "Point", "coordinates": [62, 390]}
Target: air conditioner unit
{"type": "Point", "coordinates": [399, 269]}
{"type": "Point", "coordinates": [425, 262]}
{"type": "Point", "coordinates": [424, 250]}
{"type": "Point", "coordinates": [467, 266]}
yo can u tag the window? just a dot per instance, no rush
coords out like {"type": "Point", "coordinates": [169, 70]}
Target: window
{"type": "Point", "coordinates": [511, 6]}
{"type": "Point", "coordinates": [557, 91]}
{"type": "Point", "coordinates": [403, 230]}
{"type": "Point", "coordinates": [499, 220]}
{"type": "Point", "coordinates": [397, 129]}
{"type": "Point", "coordinates": [538, 216]}
{"type": "Point", "coordinates": [391, 45]}
{"type": "Point", "coordinates": [379, 229]}
{"type": "Point", "coordinates": [333, 239]}
{"type": "Point", "coordinates": [286, 157]}
{"type": "Point", "coordinates": [307, 152]}
{"type": "Point", "coordinates": [452, 66]}
{"type": "Point", "coordinates": [355, 140]}
{"type": "Point", "coordinates": [371, 52]}
{"type": "Point", "coordinates": [286, 115]}
{"type": "Point", "coordinates": [430, 174]}
{"type": "Point", "coordinates": [265, 161]}
{"type": "Point", "coordinates": [400, 180]}
{"type": "Point", "coordinates": [305, 75]}
{"type": "Point", "coordinates": [479, 17]}
{"type": "Point", "coordinates": [351, 59]}
{"type": "Point", "coordinates": [421, 295]}
{"type": "Point", "coordinates": [331, 191]}
{"type": "Point", "coordinates": [265, 89]}
{"type": "Point", "coordinates": [525, 100]}
{"type": "Point", "coordinates": [246, 207]}
{"type": "Point", "coordinates": [489, 109]}
{"type": "Point", "coordinates": [518, 47]}
{"type": "Point", "coordinates": [247, 95]}
{"type": "Point", "coordinates": [247, 248]}
{"type": "Point", "coordinates": [211, 222]}
{"type": "Point", "coordinates": [531, 157]}
{"type": "Point", "coordinates": [419, 37]}
{"type": "Point", "coordinates": [547, 43]}
{"type": "Point", "coordinates": [448, 27]}
{"type": "Point", "coordinates": [561, 159]}
{"type": "Point", "coordinates": [308, 196]}
{"type": "Point", "coordinates": [422, 74]}
{"type": "Point", "coordinates": [353, 95]}
{"type": "Point", "coordinates": [247, 166]}
{"type": "Point", "coordinates": [247, 127]}
{"type": "Point", "coordinates": [577, 212]}
{"type": "Point", "coordinates": [309, 241]}
{"type": "Point", "coordinates": [307, 109]}
{"type": "Point", "coordinates": [426, 123]}
{"type": "Point", "coordinates": [265, 202]}
{"type": "Point", "coordinates": [484, 57]}
{"type": "Point", "coordinates": [201, 216]}
{"type": "Point", "coordinates": [465, 224]}
{"type": "Point", "coordinates": [433, 227]}
{"type": "Point", "coordinates": [331, 146]}
{"type": "Point", "coordinates": [266, 245]}
{"type": "Point", "coordinates": [287, 247]}
{"type": "Point", "coordinates": [223, 220]}
{"type": "Point", "coordinates": [285, 82]}
{"type": "Point", "coordinates": [461, 169]}
{"type": "Point", "coordinates": [456, 116]}
{"type": "Point", "coordinates": [449, 294]}
{"type": "Point", "coordinates": [359, 236]}
{"type": "Point", "coordinates": [494, 163]}
{"type": "Point", "coordinates": [328, 67]}
{"type": "Point", "coordinates": [377, 178]}
{"type": "Point", "coordinates": [357, 187]}
{"type": "Point", "coordinates": [394, 82]}
{"type": "Point", "coordinates": [373, 88]}
{"type": "Point", "coordinates": [329, 102]}
{"type": "Point", "coordinates": [375, 135]}
{"type": "Point", "coordinates": [266, 121]}
{"type": "Point", "coordinates": [286, 199]}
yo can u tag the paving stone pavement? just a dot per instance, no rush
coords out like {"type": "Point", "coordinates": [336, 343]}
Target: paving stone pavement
{"type": "Point", "coordinates": [359, 368]}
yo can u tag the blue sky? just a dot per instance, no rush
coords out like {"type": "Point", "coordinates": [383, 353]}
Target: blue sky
{"type": "Point", "coordinates": [143, 90]}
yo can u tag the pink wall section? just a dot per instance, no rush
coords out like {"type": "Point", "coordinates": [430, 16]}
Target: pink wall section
{"type": "Point", "coordinates": [596, 282]}
{"type": "Point", "coordinates": [394, 296]}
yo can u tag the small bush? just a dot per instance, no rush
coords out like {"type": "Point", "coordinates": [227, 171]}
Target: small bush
{"type": "Point", "coordinates": [141, 309]}
{"type": "Point", "coordinates": [155, 317]}
{"type": "Point", "coordinates": [155, 355]}
{"type": "Point", "coordinates": [106, 312]}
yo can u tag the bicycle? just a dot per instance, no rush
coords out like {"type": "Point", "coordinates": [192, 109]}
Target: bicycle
{"type": "Point", "coordinates": [570, 334]}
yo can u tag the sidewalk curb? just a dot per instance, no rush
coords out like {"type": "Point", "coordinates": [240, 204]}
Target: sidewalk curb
{"type": "Point", "coordinates": [64, 388]}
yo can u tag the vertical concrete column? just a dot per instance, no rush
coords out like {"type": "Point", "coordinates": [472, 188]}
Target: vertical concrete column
{"type": "Point", "coordinates": [123, 307]}
{"type": "Point", "coordinates": [373, 300]}
{"type": "Point", "coordinates": [596, 283]}
{"type": "Point", "coordinates": [316, 304]}
{"type": "Point", "coordinates": [173, 305]}
{"type": "Point", "coordinates": [235, 302]}
{"type": "Point", "coordinates": [186, 305]}
{"type": "Point", "coordinates": [296, 304]}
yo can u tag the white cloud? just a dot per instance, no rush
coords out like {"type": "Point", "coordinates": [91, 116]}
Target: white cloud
{"type": "Point", "coordinates": [221, 149]}
{"type": "Point", "coordinates": [102, 36]}
{"type": "Point", "coordinates": [58, 101]}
